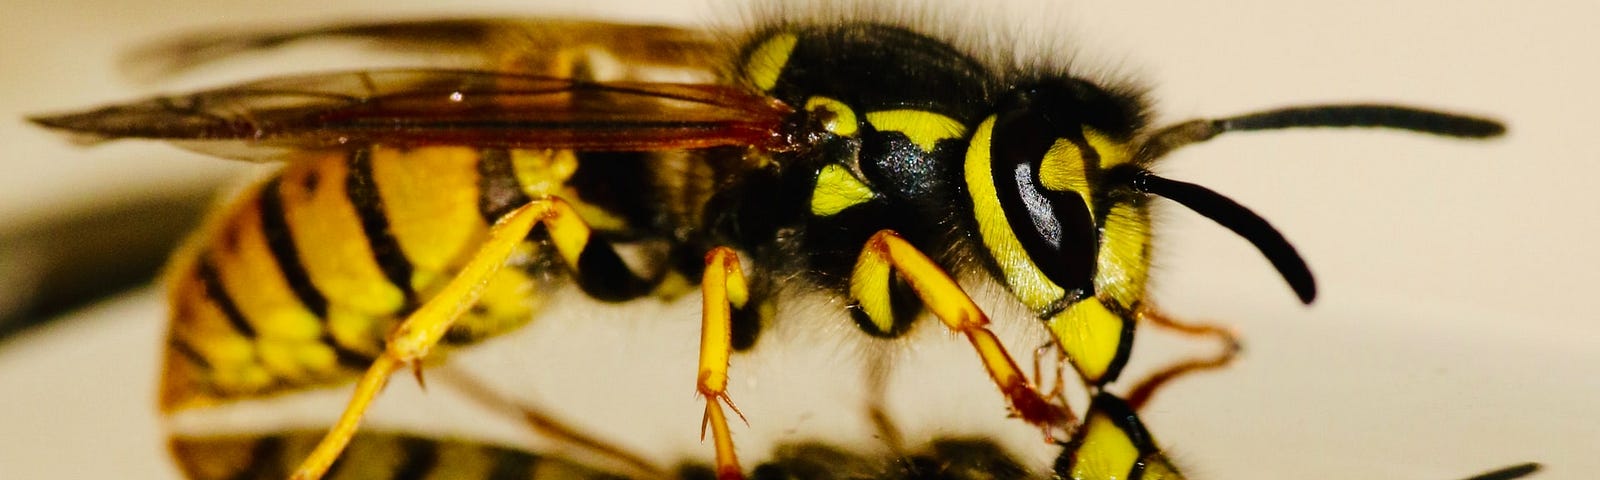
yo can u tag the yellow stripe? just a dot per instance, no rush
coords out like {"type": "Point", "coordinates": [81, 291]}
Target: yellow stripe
{"type": "Point", "coordinates": [837, 190]}
{"type": "Point", "coordinates": [1124, 261]}
{"type": "Point", "coordinates": [332, 245]}
{"type": "Point", "coordinates": [766, 62]}
{"type": "Point", "coordinates": [869, 285]}
{"type": "Point", "coordinates": [841, 120]}
{"type": "Point", "coordinates": [430, 197]}
{"type": "Point", "coordinates": [1026, 280]}
{"type": "Point", "coordinates": [1090, 334]}
{"type": "Point", "coordinates": [924, 128]}
{"type": "Point", "coordinates": [287, 334]}
{"type": "Point", "coordinates": [1106, 451]}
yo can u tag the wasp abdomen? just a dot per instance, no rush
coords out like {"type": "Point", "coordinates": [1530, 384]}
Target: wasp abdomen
{"type": "Point", "coordinates": [299, 281]}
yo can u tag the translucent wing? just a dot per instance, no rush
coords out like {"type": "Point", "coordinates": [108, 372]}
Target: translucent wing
{"type": "Point", "coordinates": [524, 45]}
{"type": "Point", "coordinates": [408, 108]}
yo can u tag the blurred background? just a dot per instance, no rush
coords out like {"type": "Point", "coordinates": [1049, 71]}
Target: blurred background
{"type": "Point", "coordinates": [1450, 336]}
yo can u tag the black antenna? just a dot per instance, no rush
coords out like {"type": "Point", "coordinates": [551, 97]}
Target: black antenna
{"type": "Point", "coordinates": [1170, 138]}
{"type": "Point", "coordinates": [1240, 220]}
{"type": "Point", "coordinates": [1508, 473]}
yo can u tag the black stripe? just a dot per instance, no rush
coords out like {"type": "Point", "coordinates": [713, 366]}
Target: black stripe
{"type": "Point", "coordinates": [219, 297]}
{"type": "Point", "coordinates": [511, 465]}
{"type": "Point", "coordinates": [276, 228]}
{"type": "Point", "coordinates": [419, 457]}
{"type": "Point", "coordinates": [346, 356]}
{"type": "Point", "coordinates": [267, 460]}
{"type": "Point", "coordinates": [363, 192]}
{"type": "Point", "coordinates": [183, 348]}
{"type": "Point", "coordinates": [604, 276]}
{"type": "Point", "coordinates": [498, 189]}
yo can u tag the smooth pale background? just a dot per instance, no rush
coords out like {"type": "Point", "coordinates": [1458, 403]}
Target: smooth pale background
{"type": "Point", "coordinates": [1452, 334]}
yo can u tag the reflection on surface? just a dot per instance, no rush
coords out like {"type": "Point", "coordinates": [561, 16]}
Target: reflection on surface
{"type": "Point", "coordinates": [77, 258]}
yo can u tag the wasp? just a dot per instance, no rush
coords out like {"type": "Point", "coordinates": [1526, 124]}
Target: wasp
{"type": "Point", "coordinates": [866, 161]}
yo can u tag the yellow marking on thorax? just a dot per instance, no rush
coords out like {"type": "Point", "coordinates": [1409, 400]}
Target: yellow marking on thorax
{"type": "Point", "coordinates": [1124, 258]}
{"type": "Point", "coordinates": [924, 128]}
{"type": "Point", "coordinates": [1090, 334]}
{"type": "Point", "coordinates": [842, 120]}
{"type": "Point", "coordinates": [1106, 451]}
{"type": "Point", "coordinates": [1025, 279]}
{"type": "Point", "coordinates": [287, 334]}
{"type": "Point", "coordinates": [430, 197]}
{"type": "Point", "coordinates": [327, 233]}
{"type": "Point", "coordinates": [837, 190]}
{"type": "Point", "coordinates": [766, 62]}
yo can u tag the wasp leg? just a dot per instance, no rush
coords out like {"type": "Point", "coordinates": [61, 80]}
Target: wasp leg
{"type": "Point", "coordinates": [417, 335]}
{"type": "Point", "coordinates": [723, 288]}
{"type": "Point", "coordinates": [887, 252]}
{"type": "Point", "coordinates": [1146, 388]}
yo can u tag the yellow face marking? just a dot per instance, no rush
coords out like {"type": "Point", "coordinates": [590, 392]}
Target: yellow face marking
{"type": "Point", "coordinates": [333, 246]}
{"type": "Point", "coordinates": [1025, 279]}
{"type": "Point", "coordinates": [1106, 451]}
{"type": "Point", "coordinates": [924, 128]}
{"type": "Point", "coordinates": [1063, 168]}
{"type": "Point", "coordinates": [842, 120]}
{"type": "Point", "coordinates": [837, 190]}
{"type": "Point", "coordinates": [766, 61]}
{"type": "Point", "coordinates": [430, 196]}
{"type": "Point", "coordinates": [1112, 152]}
{"type": "Point", "coordinates": [1123, 261]}
{"type": "Point", "coordinates": [1091, 334]}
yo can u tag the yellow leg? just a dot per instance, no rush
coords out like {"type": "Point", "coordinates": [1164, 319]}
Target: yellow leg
{"type": "Point", "coordinates": [952, 306]}
{"type": "Point", "coordinates": [416, 336]}
{"type": "Point", "coordinates": [1146, 388]}
{"type": "Point", "coordinates": [723, 288]}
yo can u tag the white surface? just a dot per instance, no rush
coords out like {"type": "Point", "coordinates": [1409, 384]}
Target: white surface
{"type": "Point", "coordinates": [1451, 335]}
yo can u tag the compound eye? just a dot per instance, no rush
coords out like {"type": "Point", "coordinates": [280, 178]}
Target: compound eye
{"type": "Point", "coordinates": [1039, 174]}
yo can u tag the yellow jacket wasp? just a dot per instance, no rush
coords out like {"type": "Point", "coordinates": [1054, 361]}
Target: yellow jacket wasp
{"type": "Point", "coordinates": [865, 160]}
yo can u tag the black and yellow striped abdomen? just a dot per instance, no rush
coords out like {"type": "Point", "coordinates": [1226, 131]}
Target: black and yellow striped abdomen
{"type": "Point", "coordinates": [300, 279]}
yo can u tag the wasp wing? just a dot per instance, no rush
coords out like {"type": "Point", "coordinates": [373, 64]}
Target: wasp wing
{"type": "Point", "coordinates": [409, 108]}
{"type": "Point", "coordinates": [526, 45]}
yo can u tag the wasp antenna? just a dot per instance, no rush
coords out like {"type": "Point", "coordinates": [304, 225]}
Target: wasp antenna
{"type": "Point", "coordinates": [1175, 136]}
{"type": "Point", "coordinates": [1240, 220]}
{"type": "Point", "coordinates": [1368, 116]}
{"type": "Point", "coordinates": [1508, 473]}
